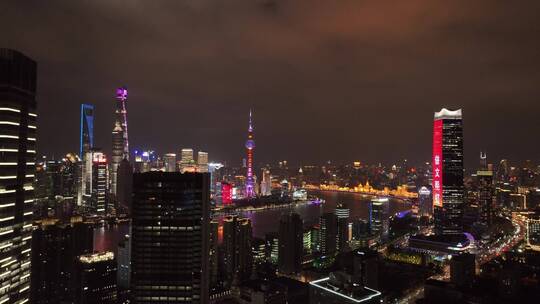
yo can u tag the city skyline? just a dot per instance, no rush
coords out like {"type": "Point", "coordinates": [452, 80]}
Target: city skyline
{"type": "Point", "coordinates": [382, 96]}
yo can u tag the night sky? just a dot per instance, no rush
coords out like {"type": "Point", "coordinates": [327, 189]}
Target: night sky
{"type": "Point", "coordinates": [327, 80]}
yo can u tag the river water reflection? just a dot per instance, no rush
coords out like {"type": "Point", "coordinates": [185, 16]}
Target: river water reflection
{"type": "Point", "coordinates": [106, 238]}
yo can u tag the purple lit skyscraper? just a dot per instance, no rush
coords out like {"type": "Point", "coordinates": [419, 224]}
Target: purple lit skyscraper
{"type": "Point", "coordinates": [250, 146]}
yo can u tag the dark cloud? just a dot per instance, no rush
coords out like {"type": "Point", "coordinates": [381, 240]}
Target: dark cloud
{"type": "Point", "coordinates": [339, 80]}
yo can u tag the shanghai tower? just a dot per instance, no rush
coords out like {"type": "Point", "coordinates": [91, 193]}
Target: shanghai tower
{"type": "Point", "coordinates": [250, 145]}
{"type": "Point", "coordinates": [120, 145]}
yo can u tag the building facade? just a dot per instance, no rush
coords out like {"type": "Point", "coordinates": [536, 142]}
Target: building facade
{"type": "Point", "coordinates": [170, 236]}
{"type": "Point", "coordinates": [448, 189]}
{"type": "Point", "coordinates": [291, 249]}
{"type": "Point", "coordinates": [17, 171]}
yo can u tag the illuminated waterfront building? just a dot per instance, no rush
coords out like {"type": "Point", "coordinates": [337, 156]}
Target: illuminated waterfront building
{"type": "Point", "coordinates": [186, 160]}
{"type": "Point", "coordinates": [100, 183]}
{"type": "Point", "coordinates": [328, 233]}
{"type": "Point", "coordinates": [448, 189]}
{"type": "Point", "coordinates": [144, 160]}
{"type": "Point", "coordinates": [170, 250]}
{"type": "Point", "coordinates": [342, 214]}
{"type": "Point", "coordinates": [226, 193]}
{"type": "Point", "coordinates": [250, 146]}
{"type": "Point", "coordinates": [169, 160]}
{"type": "Point", "coordinates": [17, 170]}
{"type": "Point", "coordinates": [202, 162]}
{"type": "Point", "coordinates": [425, 202]}
{"type": "Point", "coordinates": [379, 217]}
{"type": "Point", "coordinates": [291, 250]}
{"type": "Point", "coordinates": [266, 183]}
{"type": "Point", "coordinates": [95, 279]}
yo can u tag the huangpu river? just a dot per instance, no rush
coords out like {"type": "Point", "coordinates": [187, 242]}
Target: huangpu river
{"type": "Point", "coordinates": [265, 221]}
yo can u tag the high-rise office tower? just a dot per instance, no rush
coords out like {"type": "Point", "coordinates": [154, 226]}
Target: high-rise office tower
{"type": "Point", "coordinates": [266, 182]}
{"type": "Point", "coordinates": [213, 254]}
{"type": "Point", "coordinates": [237, 258]}
{"type": "Point", "coordinates": [95, 279]}
{"type": "Point", "coordinates": [117, 155]}
{"type": "Point", "coordinates": [342, 214]}
{"type": "Point", "coordinates": [328, 233]}
{"type": "Point", "coordinates": [55, 248]}
{"type": "Point", "coordinates": [17, 169]}
{"type": "Point", "coordinates": [250, 146]}
{"type": "Point", "coordinates": [186, 160]}
{"type": "Point", "coordinates": [425, 202]}
{"type": "Point", "coordinates": [170, 235]}
{"type": "Point", "coordinates": [272, 247]}
{"type": "Point", "coordinates": [379, 216]}
{"type": "Point", "coordinates": [120, 143]}
{"type": "Point", "coordinates": [533, 231]}
{"type": "Point", "coordinates": [169, 161]}
{"type": "Point", "coordinates": [463, 269]}
{"type": "Point", "coordinates": [202, 162]}
{"type": "Point", "coordinates": [100, 182]}
{"type": "Point", "coordinates": [448, 172]}
{"type": "Point", "coordinates": [291, 249]}
{"type": "Point", "coordinates": [124, 267]}
{"type": "Point", "coordinates": [86, 146]}
{"type": "Point", "coordinates": [87, 129]}
{"type": "Point", "coordinates": [486, 192]}
{"type": "Point", "coordinates": [125, 185]}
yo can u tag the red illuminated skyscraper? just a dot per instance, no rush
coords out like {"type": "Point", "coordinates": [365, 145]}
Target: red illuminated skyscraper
{"type": "Point", "coordinates": [448, 172]}
{"type": "Point", "coordinates": [250, 145]}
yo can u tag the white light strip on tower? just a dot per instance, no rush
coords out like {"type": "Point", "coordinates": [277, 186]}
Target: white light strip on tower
{"type": "Point", "coordinates": [10, 110]}
{"type": "Point", "coordinates": [6, 232]}
{"type": "Point", "coordinates": [9, 136]}
{"type": "Point", "coordinates": [11, 123]}
{"type": "Point", "coordinates": [7, 205]}
{"type": "Point", "coordinates": [8, 164]}
{"type": "Point", "coordinates": [6, 218]}
{"type": "Point", "coordinates": [32, 127]}
{"type": "Point", "coordinates": [32, 114]}
{"type": "Point", "coordinates": [31, 138]}
{"type": "Point", "coordinates": [9, 150]}
{"type": "Point", "coordinates": [8, 177]}
{"type": "Point", "coordinates": [23, 290]}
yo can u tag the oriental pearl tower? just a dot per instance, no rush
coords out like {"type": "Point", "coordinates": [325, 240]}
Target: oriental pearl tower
{"type": "Point", "coordinates": [250, 145]}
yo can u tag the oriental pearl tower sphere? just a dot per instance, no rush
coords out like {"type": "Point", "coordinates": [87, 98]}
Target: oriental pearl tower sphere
{"type": "Point", "coordinates": [250, 146]}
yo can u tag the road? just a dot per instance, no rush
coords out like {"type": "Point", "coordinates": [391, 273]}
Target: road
{"type": "Point", "coordinates": [484, 255]}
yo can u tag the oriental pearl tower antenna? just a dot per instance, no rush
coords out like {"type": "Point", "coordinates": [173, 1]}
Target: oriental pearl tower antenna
{"type": "Point", "coordinates": [250, 146]}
